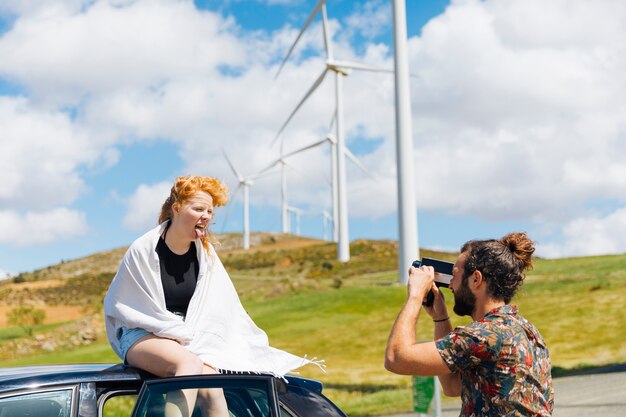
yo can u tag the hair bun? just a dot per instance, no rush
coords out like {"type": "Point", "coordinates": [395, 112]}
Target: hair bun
{"type": "Point", "coordinates": [521, 247]}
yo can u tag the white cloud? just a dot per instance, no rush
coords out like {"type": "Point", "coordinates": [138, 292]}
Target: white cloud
{"type": "Point", "coordinates": [517, 112]}
{"type": "Point", "coordinates": [369, 19]}
{"type": "Point", "coordinates": [5, 275]}
{"type": "Point", "coordinates": [41, 8]}
{"type": "Point", "coordinates": [510, 126]}
{"type": "Point", "coordinates": [152, 87]}
{"type": "Point", "coordinates": [144, 206]}
{"type": "Point", "coordinates": [42, 153]}
{"type": "Point", "coordinates": [590, 235]}
{"type": "Point", "coordinates": [36, 227]}
{"type": "Point", "coordinates": [63, 55]}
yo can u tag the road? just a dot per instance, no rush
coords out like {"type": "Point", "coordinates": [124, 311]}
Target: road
{"type": "Point", "coordinates": [602, 394]}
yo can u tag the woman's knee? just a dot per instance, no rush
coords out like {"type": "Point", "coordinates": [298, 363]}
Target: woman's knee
{"type": "Point", "coordinates": [209, 370]}
{"type": "Point", "coordinates": [163, 357]}
{"type": "Point", "coordinates": [186, 365]}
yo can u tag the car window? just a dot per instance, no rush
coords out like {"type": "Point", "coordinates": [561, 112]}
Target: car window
{"type": "Point", "coordinates": [284, 412]}
{"type": "Point", "coordinates": [306, 403]}
{"type": "Point", "coordinates": [119, 405]}
{"type": "Point", "coordinates": [244, 397]}
{"type": "Point", "coordinates": [56, 403]}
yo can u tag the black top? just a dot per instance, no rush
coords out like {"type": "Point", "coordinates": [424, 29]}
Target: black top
{"type": "Point", "coordinates": [179, 275]}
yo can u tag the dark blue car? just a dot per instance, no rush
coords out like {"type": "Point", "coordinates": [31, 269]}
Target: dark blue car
{"type": "Point", "coordinates": [121, 391]}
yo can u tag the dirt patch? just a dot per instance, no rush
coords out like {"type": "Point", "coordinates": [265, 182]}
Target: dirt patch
{"type": "Point", "coordinates": [292, 244]}
{"type": "Point", "coordinates": [53, 313]}
{"type": "Point", "coordinates": [37, 284]}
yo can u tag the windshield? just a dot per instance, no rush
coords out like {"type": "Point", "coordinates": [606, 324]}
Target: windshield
{"type": "Point", "coordinates": [207, 397]}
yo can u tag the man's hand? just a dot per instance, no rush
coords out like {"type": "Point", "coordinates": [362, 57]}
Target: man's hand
{"type": "Point", "coordinates": [421, 280]}
{"type": "Point", "coordinates": [438, 310]}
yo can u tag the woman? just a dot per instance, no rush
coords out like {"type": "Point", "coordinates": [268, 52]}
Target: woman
{"type": "Point", "coordinates": [172, 309]}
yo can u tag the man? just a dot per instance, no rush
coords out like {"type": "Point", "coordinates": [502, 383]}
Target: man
{"type": "Point", "coordinates": [499, 363]}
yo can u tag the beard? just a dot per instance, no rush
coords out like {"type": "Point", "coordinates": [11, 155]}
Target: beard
{"type": "Point", "coordinates": [464, 300]}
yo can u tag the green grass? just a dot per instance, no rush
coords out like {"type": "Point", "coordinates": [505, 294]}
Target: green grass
{"type": "Point", "coordinates": [99, 352]}
{"type": "Point", "coordinates": [576, 303]}
{"type": "Point", "coordinates": [10, 333]}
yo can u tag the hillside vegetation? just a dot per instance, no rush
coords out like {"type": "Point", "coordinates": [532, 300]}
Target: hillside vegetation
{"type": "Point", "coordinates": [341, 312]}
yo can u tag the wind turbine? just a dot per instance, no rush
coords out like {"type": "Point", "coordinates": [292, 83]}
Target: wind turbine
{"type": "Point", "coordinates": [297, 213]}
{"type": "Point", "coordinates": [282, 161]}
{"type": "Point", "coordinates": [327, 220]}
{"type": "Point", "coordinates": [341, 69]}
{"type": "Point", "coordinates": [332, 141]}
{"type": "Point", "coordinates": [244, 184]}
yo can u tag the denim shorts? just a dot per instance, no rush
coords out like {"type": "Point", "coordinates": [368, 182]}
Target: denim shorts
{"type": "Point", "coordinates": [129, 337]}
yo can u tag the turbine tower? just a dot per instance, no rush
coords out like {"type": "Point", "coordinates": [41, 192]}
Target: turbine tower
{"type": "Point", "coordinates": [332, 141]}
{"type": "Point", "coordinates": [408, 247]}
{"type": "Point", "coordinates": [341, 69]}
{"type": "Point", "coordinates": [297, 213]}
{"type": "Point", "coordinates": [327, 220]}
{"type": "Point", "coordinates": [244, 184]}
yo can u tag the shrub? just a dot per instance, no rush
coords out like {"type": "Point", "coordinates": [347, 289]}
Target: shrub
{"type": "Point", "coordinates": [26, 317]}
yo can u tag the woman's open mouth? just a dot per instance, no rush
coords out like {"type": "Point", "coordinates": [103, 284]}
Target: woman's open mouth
{"type": "Point", "coordinates": [200, 231]}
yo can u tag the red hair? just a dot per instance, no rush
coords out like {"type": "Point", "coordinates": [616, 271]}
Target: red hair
{"type": "Point", "coordinates": [185, 187]}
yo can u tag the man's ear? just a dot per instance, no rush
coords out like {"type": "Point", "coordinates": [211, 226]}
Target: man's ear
{"type": "Point", "coordinates": [476, 279]}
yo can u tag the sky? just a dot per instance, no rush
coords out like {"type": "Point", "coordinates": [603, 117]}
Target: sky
{"type": "Point", "coordinates": [518, 119]}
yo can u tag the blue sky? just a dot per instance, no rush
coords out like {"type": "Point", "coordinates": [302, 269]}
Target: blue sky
{"type": "Point", "coordinates": [518, 120]}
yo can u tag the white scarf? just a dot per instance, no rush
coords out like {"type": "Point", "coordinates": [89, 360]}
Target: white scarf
{"type": "Point", "coordinates": [216, 328]}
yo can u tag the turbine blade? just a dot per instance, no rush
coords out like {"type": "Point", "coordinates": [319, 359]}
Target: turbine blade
{"type": "Point", "coordinates": [365, 67]}
{"type": "Point", "coordinates": [237, 174]}
{"type": "Point", "coordinates": [295, 210]}
{"type": "Point", "coordinates": [306, 25]}
{"type": "Point", "coordinates": [304, 148]}
{"type": "Point", "coordinates": [298, 170]}
{"type": "Point", "coordinates": [230, 207]}
{"type": "Point", "coordinates": [327, 38]}
{"type": "Point", "coordinates": [304, 174]}
{"type": "Point", "coordinates": [332, 121]}
{"type": "Point", "coordinates": [358, 163]}
{"type": "Point", "coordinates": [360, 66]}
{"type": "Point", "coordinates": [306, 96]}
{"type": "Point", "coordinates": [264, 172]}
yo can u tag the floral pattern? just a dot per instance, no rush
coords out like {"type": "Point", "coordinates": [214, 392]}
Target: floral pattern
{"type": "Point", "coordinates": [504, 365]}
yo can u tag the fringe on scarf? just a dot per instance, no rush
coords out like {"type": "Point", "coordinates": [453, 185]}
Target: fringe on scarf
{"type": "Point", "coordinates": [320, 363]}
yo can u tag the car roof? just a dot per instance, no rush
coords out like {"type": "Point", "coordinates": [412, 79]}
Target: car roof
{"type": "Point", "coordinates": [20, 377]}
{"type": "Point", "coordinates": [52, 370]}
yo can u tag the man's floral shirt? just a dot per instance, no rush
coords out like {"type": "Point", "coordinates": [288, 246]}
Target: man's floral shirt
{"type": "Point", "coordinates": [504, 366]}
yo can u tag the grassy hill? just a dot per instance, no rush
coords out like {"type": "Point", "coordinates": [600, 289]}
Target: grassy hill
{"type": "Point", "coordinates": [339, 312]}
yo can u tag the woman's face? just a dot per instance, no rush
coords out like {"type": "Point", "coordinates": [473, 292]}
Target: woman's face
{"type": "Point", "coordinates": [193, 217]}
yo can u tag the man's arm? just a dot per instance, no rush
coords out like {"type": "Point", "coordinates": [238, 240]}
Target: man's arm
{"type": "Point", "coordinates": [403, 355]}
{"type": "Point", "coordinates": [450, 382]}
{"type": "Point", "coordinates": [406, 357]}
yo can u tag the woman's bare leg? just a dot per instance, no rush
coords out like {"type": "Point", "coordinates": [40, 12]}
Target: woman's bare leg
{"type": "Point", "coordinates": [166, 357]}
{"type": "Point", "coordinates": [212, 399]}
